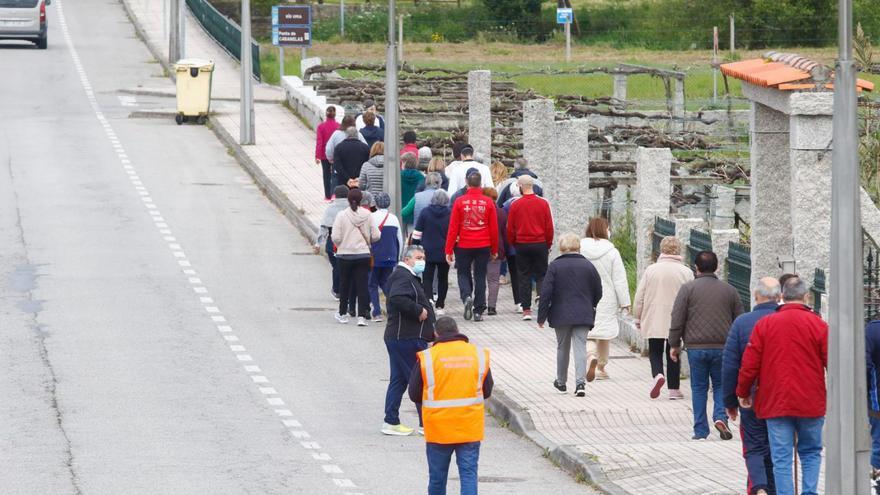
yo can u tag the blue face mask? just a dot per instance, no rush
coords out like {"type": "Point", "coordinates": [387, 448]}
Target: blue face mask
{"type": "Point", "coordinates": [419, 267]}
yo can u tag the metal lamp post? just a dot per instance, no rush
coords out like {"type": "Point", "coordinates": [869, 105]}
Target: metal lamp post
{"type": "Point", "coordinates": [247, 87]}
{"type": "Point", "coordinates": [392, 144]}
{"type": "Point", "coordinates": [847, 459]}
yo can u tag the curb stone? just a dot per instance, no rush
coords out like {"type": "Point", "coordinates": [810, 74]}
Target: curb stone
{"type": "Point", "coordinates": [142, 34]}
{"type": "Point", "coordinates": [518, 420]}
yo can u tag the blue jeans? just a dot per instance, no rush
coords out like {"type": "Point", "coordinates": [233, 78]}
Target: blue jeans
{"type": "Point", "coordinates": [781, 432]}
{"type": "Point", "coordinates": [875, 442]}
{"type": "Point", "coordinates": [756, 452]}
{"type": "Point", "coordinates": [705, 365]}
{"type": "Point", "coordinates": [379, 278]}
{"type": "Point", "coordinates": [467, 456]}
{"type": "Point", "coordinates": [402, 356]}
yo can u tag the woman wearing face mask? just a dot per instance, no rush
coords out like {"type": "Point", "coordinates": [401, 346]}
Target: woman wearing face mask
{"type": "Point", "coordinates": [409, 329]}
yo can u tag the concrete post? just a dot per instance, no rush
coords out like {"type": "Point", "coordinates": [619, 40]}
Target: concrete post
{"type": "Point", "coordinates": [678, 100]}
{"type": "Point", "coordinates": [651, 194]}
{"type": "Point", "coordinates": [683, 228]}
{"type": "Point", "coordinates": [721, 239]}
{"type": "Point", "coordinates": [539, 142]}
{"type": "Point", "coordinates": [570, 195]}
{"type": "Point", "coordinates": [721, 207]}
{"type": "Point", "coordinates": [619, 91]}
{"type": "Point", "coordinates": [480, 111]}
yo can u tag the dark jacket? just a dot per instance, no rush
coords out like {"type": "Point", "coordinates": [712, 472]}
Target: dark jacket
{"type": "Point", "coordinates": [415, 379]}
{"type": "Point", "coordinates": [702, 313]}
{"type": "Point", "coordinates": [372, 133]}
{"type": "Point", "coordinates": [406, 300]}
{"type": "Point", "coordinates": [872, 359]}
{"type": "Point", "coordinates": [431, 229]}
{"type": "Point", "coordinates": [504, 193]}
{"type": "Point", "coordinates": [348, 158]}
{"type": "Point", "coordinates": [571, 290]}
{"type": "Point", "coordinates": [737, 340]}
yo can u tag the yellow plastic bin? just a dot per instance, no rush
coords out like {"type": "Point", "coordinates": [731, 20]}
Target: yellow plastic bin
{"type": "Point", "coordinates": [193, 89]}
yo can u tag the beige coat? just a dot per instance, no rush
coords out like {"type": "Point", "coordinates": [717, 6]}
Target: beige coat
{"type": "Point", "coordinates": [656, 295]}
{"type": "Point", "coordinates": [353, 232]}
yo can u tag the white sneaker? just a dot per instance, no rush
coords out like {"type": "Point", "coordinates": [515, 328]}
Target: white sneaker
{"type": "Point", "coordinates": [362, 322]}
{"type": "Point", "coordinates": [377, 318]}
{"type": "Point", "coordinates": [439, 312]}
{"type": "Point", "coordinates": [519, 309]}
{"type": "Point", "coordinates": [341, 318]}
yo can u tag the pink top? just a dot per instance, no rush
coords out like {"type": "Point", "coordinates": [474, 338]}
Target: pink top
{"type": "Point", "coordinates": [325, 130]}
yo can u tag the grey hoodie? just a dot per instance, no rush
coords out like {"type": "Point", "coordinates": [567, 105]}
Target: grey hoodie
{"type": "Point", "coordinates": [372, 176]}
{"type": "Point", "coordinates": [330, 213]}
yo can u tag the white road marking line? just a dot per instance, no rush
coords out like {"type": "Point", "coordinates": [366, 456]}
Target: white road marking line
{"type": "Point", "coordinates": [174, 246]}
{"type": "Point", "coordinates": [344, 483]}
{"type": "Point", "coordinates": [320, 456]}
{"type": "Point", "coordinates": [291, 423]}
{"type": "Point", "coordinates": [275, 401]}
{"type": "Point", "coordinates": [247, 357]}
{"type": "Point", "coordinates": [260, 379]}
{"type": "Point", "coordinates": [199, 290]}
{"type": "Point", "coordinates": [165, 231]}
{"type": "Point", "coordinates": [206, 300]}
{"type": "Point", "coordinates": [225, 328]}
{"type": "Point", "coordinates": [179, 254]}
{"type": "Point", "coordinates": [237, 348]}
{"type": "Point", "coordinates": [268, 391]}
{"type": "Point", "coordinates": [230, 338]}
{"type": "Point", "coordinates": [184, 263]}
{"type": "Point", "coordinates": [310, 445]}
{"type": "Point", "coordinates": [162, 225]}
{"type": "Point", "coordinates": [331, 469]}
{"type": "Point", "coordinates": [189, 272]}
{"type": "Point", "coordinates": [169, 238]}
{"type": "Point", "coordinates": [152, 207]}
{"type": "Point", "coordinates": [301, 435]}
{"type": "Point", "coordinates": [212, 309]}
{"type": "Point", "coordinates": [218, 319]}
{"type": "Point", "coordinates": [283, 412]}
{"type": "Point", "coordinates": [252, 369]}
{"type": "Point", "coordinates": [195, 280]}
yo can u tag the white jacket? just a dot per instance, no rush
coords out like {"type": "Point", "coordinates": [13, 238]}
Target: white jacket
{"type": "Point", "coordinates": [456, 172]}
{"type": "Point", "coordinates": [615, 288]}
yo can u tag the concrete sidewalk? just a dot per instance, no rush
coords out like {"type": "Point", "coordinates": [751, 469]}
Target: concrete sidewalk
{"type": "Point", "coordinates": [616, 437]}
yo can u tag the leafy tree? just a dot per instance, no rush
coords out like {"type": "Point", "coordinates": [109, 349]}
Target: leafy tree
{"type": "Point", "coordinates": [522, 16]}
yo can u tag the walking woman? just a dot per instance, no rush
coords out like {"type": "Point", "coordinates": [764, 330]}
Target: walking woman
{"type": "Point", "coordinates": [353, 234]}
{"type": "Point", "coordinates": [571, 290]}
{"type": "Point", "coordinates": [430, 231]}
{"type": "Point", "coordinates": [601, 252]}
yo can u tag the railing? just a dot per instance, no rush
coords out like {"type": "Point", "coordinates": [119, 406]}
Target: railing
{"type": "Point", "coordinates": [739, 271]}
{"type": "Point", "coordinates": [699, 241]}
{"type": "Point", "coordinates": [662, 228]}
{"type": "Point", "coordinates": [818, 290]}
{"type": "Point", "coordinates": [224, 30]}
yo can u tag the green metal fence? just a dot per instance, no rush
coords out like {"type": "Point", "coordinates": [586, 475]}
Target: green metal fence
{"type": "Point", "coordinates": [818, 289]}
{"type": "Point", "coordinates": [739, 271]}
{"type": "Point", "coordinates": [699, 241]}
{"type": "Point", "coordinates": [224, 30]}
{"type": "Point", "coordinates": [662, 228]}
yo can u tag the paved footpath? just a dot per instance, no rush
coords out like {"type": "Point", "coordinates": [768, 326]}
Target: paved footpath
{"type": "Point", "coordinates": [632, 443]}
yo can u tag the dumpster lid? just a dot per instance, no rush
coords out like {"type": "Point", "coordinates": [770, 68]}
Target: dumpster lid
{"type": "Point", "coordinates": [186, 63]}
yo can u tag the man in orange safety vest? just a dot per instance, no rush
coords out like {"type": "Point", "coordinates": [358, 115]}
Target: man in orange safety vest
{"type": "Point", "coordinates": [451, 383]}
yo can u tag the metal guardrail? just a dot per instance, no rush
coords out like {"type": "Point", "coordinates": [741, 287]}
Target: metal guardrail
{"type": "Point", "coordinates": [699, 241]}
{"type": "Point", "coordinates": [662, 228]}
{"type": "Point", "coordinates": [818, 290]}
{"type": "Point", "coordinates": [223, 29]}
{"type": "Point", "coordinates": [739, 271]}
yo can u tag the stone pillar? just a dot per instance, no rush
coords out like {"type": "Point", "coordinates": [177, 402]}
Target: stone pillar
{"type": "Point", "coordinates": [678, 100]}
{"type": "Point", "coordinates": [480, 111]}
{"type": "Point", "coordinates": [651, 194]}
{"type": "Point", "coordinates": [721, 239]}
{"type": "Point", "coordinates": [619, 91]}
{"type": "Point", "coordinates": [570, 196]}
{"type": "Point", "coordinates": [307, 63]}
{"type": "Point", "coordinates": [721, 207]}
{"type": "Point", "coordinates": [683, 228]}
{"type": "Point", "coordinates": [539, 142]}
{"type": "Point", "coordinates": [771, 228]}
{"type": "Point", "coordinates": [811, 186]}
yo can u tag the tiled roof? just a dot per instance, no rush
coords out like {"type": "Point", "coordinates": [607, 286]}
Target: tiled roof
{"type": "Point", "coordinates": [783, 71]}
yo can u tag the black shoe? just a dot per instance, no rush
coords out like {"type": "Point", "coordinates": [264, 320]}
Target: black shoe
{"type": "Point", "coordinates": [491, 311]}
{"type": "Point", "coordinates": [468, 308]}
{"type": "Point", "coordinates": [478, 317]}
{"type": "Point", "coordinates": [580, 390]}
{"type": "Point", "coordinates": [722, 428]}
{"type": "Point", "coordinates": [560, 387]}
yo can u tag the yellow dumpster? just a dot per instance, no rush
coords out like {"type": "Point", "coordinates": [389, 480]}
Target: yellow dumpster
{"type": "Point", "coordinates": [193, 89]}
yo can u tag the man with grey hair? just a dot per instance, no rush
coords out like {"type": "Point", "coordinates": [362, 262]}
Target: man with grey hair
{"type": "Point", "coordinates": [349, 156]}
{"type": "Point", "coordinates": [520, 168]}
{"type": "Point", "coordinates": [788, 351]}
{"type": "Point", "coordinates": [756, 446]}
{"type": "Point", "coordinates": [431, 228]}
{"type": "Point", "coordinates": [410, 327]}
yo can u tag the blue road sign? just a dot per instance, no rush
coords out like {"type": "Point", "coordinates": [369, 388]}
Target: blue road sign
{"type": "Point", "coordinates": [564, 16]}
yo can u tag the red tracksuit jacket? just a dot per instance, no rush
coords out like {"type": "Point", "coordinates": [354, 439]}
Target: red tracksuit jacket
{"type": "Point", "coordinates": [474, 223]}
{"type": "Point", "coordinates": [530, 221]}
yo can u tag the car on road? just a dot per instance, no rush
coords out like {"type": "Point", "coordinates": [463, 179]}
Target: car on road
{"type": "Point", "coordinates": [24, 20]}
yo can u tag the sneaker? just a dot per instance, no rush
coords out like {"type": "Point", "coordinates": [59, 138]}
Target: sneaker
{"type": "Point", "coordinates": [478, 316]}
{"type": "Point", "coordinates": [396, 430]}
{"type": "Point", "coordinates": [580, 390]}
{"type": "Point", "coordinates": [341, 318]}
{"type": "Point", "coordinates": [502, 280]}
{"type": "Point", "coordinates": [722, 428]}
{"type": "Point", "coordinates": [659, 381]}
{"type": "Point", "coordinates": [675, 394]}
{"type": "Point", "coordinates": [527, 315]}
{"type": "Point", "coordinates": [468, 308]}
{"type": "Point", "coordinates": [761, 492]}
{"type": "Point", "coordinates": [591, 370]}
{"type": "Point", "coordinates": [328, 200]}
{"type": "Point", "coordinates": [334, 295]}
{"type": "Point", "coordinates": [519, 309]}
{"type": "Point", "coordinates": [602, 375]}
{"type": "Point", "coordinates": [697, 439]}
{"type": "Point", "coordinates": [439, 312]}
{"type": "Point", "coordinates": [362, 322]}
{"type": "Point", "coordinates": [377, 318]}
{"type": "Point", "coordinates": [491, 311]}
{"type": "Point", "coordinates": [560, 387]}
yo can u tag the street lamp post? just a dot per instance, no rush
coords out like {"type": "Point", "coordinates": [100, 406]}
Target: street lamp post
{"type": "Point", "coordinates": [847, 459]}
{"type": "Point", "coordinates": [174, 33]}
{"type": "Point", "coordinates": [392, 118]}
{"type": "Point", "coordinates": [247, 87]}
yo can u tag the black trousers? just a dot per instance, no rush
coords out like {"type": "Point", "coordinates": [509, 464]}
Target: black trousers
{"type": "Point", "coordinates": [329, 182]}
{"type": "Point", "coordinates": [531, 261]}
{"type": "Point", "coordinates": [476, 260]}
{"type": "Point", "coordinates": [513, 277]}
{"type": "Point", "coordinates": [656, 349]}
{"type": "Point", "coordinates": [442, 271]}
{"type": "Point", "coordinates": [354, 272]}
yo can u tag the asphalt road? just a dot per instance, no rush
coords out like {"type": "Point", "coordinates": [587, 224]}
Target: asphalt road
{"type": "Point", "coordinates": [163, 329]}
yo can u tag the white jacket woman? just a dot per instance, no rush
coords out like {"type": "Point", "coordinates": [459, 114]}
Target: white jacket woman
{"type": "Point", "coordinates": [615, 291]}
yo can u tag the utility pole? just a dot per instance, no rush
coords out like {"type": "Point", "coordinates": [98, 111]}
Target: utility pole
{"type": "Point", "coordinates": [847, 459]}
{"type": "Point", "coordinates": [392, 119]}
{"type": "Point", "coordinates": [247, 85]}
{"type": "Point", "coordinates": [174, 33]}
{"type": "Point", "coordinates": [181, 25]}
{"type": "Point", "coordinates": [342, 18]}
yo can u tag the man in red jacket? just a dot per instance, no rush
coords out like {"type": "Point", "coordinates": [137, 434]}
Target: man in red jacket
{"type": "Point", "coordinates": [530, 231]}
{"type": "Point", "coordinates": [788, 354]}
{"type": "Point", "coordinates": [471, 242]}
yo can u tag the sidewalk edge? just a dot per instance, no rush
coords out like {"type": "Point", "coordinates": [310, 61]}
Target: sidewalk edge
{"type": "Point", "coordinates": [519, 421]}
{"type": "Point", "coordinates": [142, 34]}
{"type": "Point", "coordinates": [290, 211]}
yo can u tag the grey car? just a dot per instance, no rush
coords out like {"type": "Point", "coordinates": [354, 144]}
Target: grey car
{"type": "Point", "coordinates": [24, 20]}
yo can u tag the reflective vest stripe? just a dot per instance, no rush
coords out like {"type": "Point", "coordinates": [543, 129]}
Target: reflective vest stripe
{"type": "Point", "coordinates": [429, 378]}
{"type": "Point", "coordinates": [429, 374]}
{"type": "Point", "coordinates": [453, 402]}
{"type": "Point", "coordinates": [481, 360]}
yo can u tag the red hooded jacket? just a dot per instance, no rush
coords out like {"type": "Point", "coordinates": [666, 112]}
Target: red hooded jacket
{"type": "Point", "coordinates": [787, 355]}
{"type": "Point", "coordinates": [474, 223]}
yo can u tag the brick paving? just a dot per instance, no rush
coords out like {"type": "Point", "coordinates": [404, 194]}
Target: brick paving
{"type": "Point", "coordinates": [642, 445]}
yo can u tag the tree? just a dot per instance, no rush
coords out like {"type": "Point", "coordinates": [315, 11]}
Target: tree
{"type": "Point", "coordinates": [523, 16]}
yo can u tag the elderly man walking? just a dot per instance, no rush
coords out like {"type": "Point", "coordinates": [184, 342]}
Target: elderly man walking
{"type": "Point", "coordinates": [756, 446]}
{"type": "Point", "coordinates": [451, 382]}
{"type": "Point", "coordinates": [349, 156]}
{"type": "Point", "coordinates": [788, 354]}
{"type": "Point", "coordinates": [701, 317]}
{"type": "Point", "coordinates": [530, 231]}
